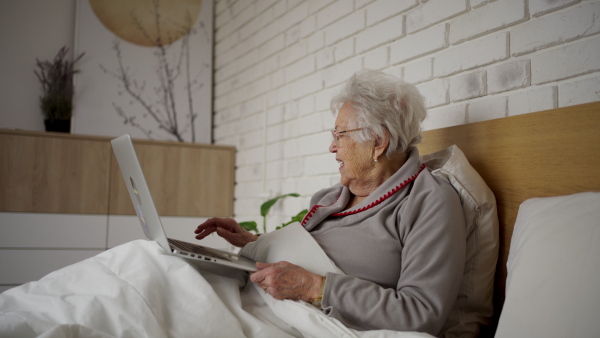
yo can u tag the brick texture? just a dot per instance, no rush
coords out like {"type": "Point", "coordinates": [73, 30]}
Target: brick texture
{"type": "Point", "coordinates": [432, 12]}
{"type": "Point", "coordinates": [468, 86]}
{"type": "Point", "coordinates": [486, 19]}
{"type": "Point", "coordinates": [473, 60]}
{"type": "Point", "coordinates": [555, 28]}
{"type": "Point", "coordinates": [507, 76]}
{"type": "Point", "coordinates": [421, 43]}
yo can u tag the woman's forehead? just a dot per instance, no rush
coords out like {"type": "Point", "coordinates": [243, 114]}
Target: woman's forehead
{"type": "Point", "coordinates": [345, 116]}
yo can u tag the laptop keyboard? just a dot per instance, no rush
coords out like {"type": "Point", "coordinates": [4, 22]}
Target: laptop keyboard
{"type": "Point", "coordinates": [195, 249]}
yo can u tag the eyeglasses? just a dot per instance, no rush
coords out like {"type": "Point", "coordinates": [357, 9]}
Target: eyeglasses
{"type": "Point", "coordinates": [336, 134]}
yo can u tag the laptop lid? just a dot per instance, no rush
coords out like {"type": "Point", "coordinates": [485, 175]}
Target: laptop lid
{"type": "Point", "coordinates": [150, 221]}
{"type": "Point", "coordinates": [139, 191]}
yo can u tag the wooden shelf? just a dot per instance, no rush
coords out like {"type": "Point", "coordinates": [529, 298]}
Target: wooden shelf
{"type": "Point", "coordinates": [78, 174]}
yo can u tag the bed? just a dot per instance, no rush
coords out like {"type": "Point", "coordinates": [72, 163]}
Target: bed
{"type": "Point", "coordinates": [543, 154]}
{"type": "Point", "coordinates": [542, 169]}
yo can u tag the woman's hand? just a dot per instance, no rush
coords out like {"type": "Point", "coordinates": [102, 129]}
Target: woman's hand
{"type": "Point", "coordinates": [284, 280]}
{"type": "Point", "coordinates": [227, 228]}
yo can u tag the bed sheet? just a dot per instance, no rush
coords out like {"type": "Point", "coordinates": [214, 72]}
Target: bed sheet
{"type": "Point", "coordinates": [137, 290]}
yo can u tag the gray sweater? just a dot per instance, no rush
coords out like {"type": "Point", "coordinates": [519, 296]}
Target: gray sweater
{"type": "Point", "coordinates": [402, 248]}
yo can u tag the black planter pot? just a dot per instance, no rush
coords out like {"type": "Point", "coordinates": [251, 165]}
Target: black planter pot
{"type": "Point", "coordinates": [61, 126]}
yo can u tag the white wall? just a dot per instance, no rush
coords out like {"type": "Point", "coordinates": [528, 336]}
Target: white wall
{"type": "Point", "coordinates": [473, 60]}
{"type": "Point", "coordinates": [29, 29]}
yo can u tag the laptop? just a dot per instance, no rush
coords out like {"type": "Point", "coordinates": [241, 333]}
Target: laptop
{"type": "Point", "coordinates": [150, 221]}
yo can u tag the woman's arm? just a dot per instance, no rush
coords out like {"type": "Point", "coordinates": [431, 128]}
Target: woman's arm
{"type": "Point", "coordinates": [433, 258]}
{"type": "Point", "coordinates": [227, 228]}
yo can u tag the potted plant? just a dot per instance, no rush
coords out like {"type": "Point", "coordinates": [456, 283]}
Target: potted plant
{"type": "Point", "coordinates": [56, 101]}
{"type": "Point", "coordinates": [264, 210]}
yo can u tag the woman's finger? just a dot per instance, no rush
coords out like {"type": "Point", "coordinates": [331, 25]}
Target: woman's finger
{"type": "Point", "coordinates": [262, 266]}
{"type": "Point", "coordinates": [210, 223]}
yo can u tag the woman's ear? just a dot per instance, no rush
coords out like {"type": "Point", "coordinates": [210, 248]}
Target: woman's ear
{"type": "Point", "coordinates": [381, 144]}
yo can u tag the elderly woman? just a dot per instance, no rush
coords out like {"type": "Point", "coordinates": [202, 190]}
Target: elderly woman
{"type": "Point", "coordinates": [396, 230]}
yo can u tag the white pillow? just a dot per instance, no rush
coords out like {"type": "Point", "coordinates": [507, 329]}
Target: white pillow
{"type": "Point", "coordinates": [553, 283]}
{"type": "Point", "coordinates": [473, 307]}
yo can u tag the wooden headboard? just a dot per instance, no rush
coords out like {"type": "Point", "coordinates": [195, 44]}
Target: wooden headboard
{"type": "Point", "coordinates": [549, 153]}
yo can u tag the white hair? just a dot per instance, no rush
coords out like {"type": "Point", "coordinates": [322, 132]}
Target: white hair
{"type": "Point", "coordinates": [383, 101]}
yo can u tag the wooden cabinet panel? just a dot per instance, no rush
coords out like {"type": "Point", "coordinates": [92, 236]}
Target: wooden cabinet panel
{"type": "Point", "coordinates": [184, 180]}
{"type": "Point", "coordinates": [51, 173]}
{"type": "Point", "coordinates": [76, 174]}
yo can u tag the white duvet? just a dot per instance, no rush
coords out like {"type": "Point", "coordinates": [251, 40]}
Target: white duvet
{"type": "Point", "coordinates": [137, 290]}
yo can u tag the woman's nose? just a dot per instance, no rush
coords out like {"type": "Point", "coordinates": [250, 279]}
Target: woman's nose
{"type": "Point", "coordinates": [332, 147]}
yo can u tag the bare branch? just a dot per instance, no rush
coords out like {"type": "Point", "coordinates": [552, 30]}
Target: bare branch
{"type": "Point", "coordinates": [172, 63]}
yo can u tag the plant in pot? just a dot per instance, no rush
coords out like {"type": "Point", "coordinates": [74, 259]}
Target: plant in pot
{"type": "Point", "coordinates": [264, 210]}
{"type": "Point", "coordinates": [56, 101]}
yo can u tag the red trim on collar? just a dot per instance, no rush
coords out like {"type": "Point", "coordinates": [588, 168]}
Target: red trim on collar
{"type": "Point", "coordinates": [383, 198]}
{"type": "Point", "coordinates": [313, 210]}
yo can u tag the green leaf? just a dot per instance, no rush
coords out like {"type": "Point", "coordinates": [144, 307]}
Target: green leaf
{"type": "Point", "coordinates": [298, 218]}
{"type": "Point", "coordinates": [265, 207]}
{"type": "Point", "coordinates": [250, 226]}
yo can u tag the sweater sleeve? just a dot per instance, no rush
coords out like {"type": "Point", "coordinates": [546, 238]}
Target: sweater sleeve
{"type": "Point", "coordinates": [431, 228]}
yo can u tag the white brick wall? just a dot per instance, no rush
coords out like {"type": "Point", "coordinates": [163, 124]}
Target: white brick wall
{"type": "Point", "coordinates": [486, 19]}
{"type": "Point", "coordinates": [570, 24]}
{"type": "Point", "coordinates": [473, 60]}
{"type": "Point", "coordinates": [419, 44]}
{"type": "Point", "coordinates": [467, 86]}
{"type": "Point", "coordinates": [508, 76]}
{"type": "Point", "coordinates": [432, 12]}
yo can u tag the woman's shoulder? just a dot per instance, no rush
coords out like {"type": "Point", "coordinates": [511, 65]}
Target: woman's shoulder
{"type": "Point", "coordinates": [434, 188]}
{"type": "Point", "coordinates": [433, 202]}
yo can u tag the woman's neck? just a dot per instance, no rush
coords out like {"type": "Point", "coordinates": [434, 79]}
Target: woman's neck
{"type": "Point", "coordinates": [383, 169]}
